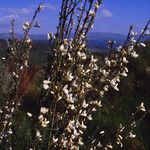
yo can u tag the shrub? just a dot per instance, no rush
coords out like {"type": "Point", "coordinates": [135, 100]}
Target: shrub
{"type": "Point", "coordinates": [73, 89]}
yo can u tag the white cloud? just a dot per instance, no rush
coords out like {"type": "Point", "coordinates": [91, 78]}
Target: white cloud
{"type": "Point", "coordinates": [106, 13]}
{"type": "Point", "coordinates": [16, 11]}
{"type": "Point", "coordinates": [7, 19]}
{"type": "Point", "coordinates": [50, 7]}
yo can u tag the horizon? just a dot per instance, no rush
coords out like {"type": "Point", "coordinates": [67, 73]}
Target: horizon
{"type": "Point", "coordinates": [111, 17]}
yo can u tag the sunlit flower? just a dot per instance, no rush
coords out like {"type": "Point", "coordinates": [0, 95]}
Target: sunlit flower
{"type": "Point", "coordinates": [105, 88]}
{"type": "Point", "coordinates": [142, 107]}
{"type": "Point", "coordinates": [63, 50]}
{"type": "Point", "coordinates": [46, 84]}
{"type": "Point", "coordinates": [85, 105]}
{"type": "Point", "coordinates": [29, 114]}
{"type": "Point", "coordinates": [69, 76]}
{"type": "Point", "coordinates": [142, 44]}
{"type": "Point", "coordinates": [82, 55]}
{"type": "Point", "coordinates": [123, 74]}
{"type": "Point", "coordinates": [109, 146]}
{"type": "Point", "coordinates": [26, 25]}
{"type": "Point", "coordinates": [38, 135]}
{"type": "Point", "coordinates": [91, 13]}
{"type": "Point", "coordinates": [99, 145]}
{"type": "Point", "coordinates": [96, 5]}
{"type": "Point", "coordinates": [41, 118]}
{"type": "Point", "coordinates": [45, 122]}
{"type": "Point", "coordinates": [44, 110]}
{"type": "Point", "coordinates": [134, 54]}
{"type": "Point", "coordinates": [41, 7]}
{"type": "Point", "coordinates": [10, 131]}
{"type": "Point", "coordinates": [131, 135]}
{"type": "Point", "coordinates": [55, 140]}
{"type": "Point", "coordinates": [125, 60]}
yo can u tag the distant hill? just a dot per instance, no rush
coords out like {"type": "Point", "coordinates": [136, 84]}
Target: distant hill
{"type": "Point", "coordinates": [96, 41]}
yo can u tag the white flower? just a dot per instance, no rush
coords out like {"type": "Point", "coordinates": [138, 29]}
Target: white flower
{"type": "Point", "coordinates": [147, 33]}
{"type": "Point", "coordinates": [123, 74]}
{"type": "Point", "coordinates": [99, 145]}
{"type": "Point", "coordinates": [109, 146]}
{"type": "Point", "coordinates": [120, 137]}
{"type": "Point", "coordinates": [99, 104]}
{"type": "Point", "coordinates": [26, 63]}
{"type": "Point", "coordinates": [130, 48]}
{"type": "Point", "coordinates": [81, 55]}
{"type": "Point", "coordinates": [85, 105]}
{"type": "Point", "coordinates": [38, 135]}
{"type": "Point", "coordinates": [126, 70]}
{"type": "Point", "coordinates": [94, 109]}
{"type": "Point", "coordinates": [87, 85]}
{"type": "Point", "coordinates": [80, 142]}
{"type": "Point", "coordinates": [69, 76]}
{"type": "Point", "coordinates": [142, 44]}
{"type": "Point", "coordinates": [116, 88]}
{"type": "Point", "coordinates": [104, 72]}
{"type": "Point", "coordinates": [107, 62]}
{"type": "Point", "coordinates": [102, 132]}
{"type": "Point", "coordinates": [46, 86]}
{"type": "Point", "coordinates": [82, 46]}
{"type": "Point", "coordinates": [10, 131]}
{"type": "Point", "coordinates": [45, 122]}
{"type": "Point", "coordinates": [119, 48]}
{"type": "Point", "coordinates": [1, 111]}
{"type": "Point", "coordinates": [96, 5]}
{"type": "Point", "coordinates": [41, 118]}
{"type": "Point", "coordinates": [90, 117]}
{"type": "Point", "coordinates": [15, 75]}
{"type": "Point", "coordinates": [71, 106]}
{"type": "Point", "coordinates": [29, 114]}
{"type": "Point", "coordinates": [80, 131]}
{"type": "Point", "coordinates": [101, 93]}
{"type": "Point", "coordinates": [125, 60]}
{"type": "Point", "coordinates": [133, 40]}
{"type": "Point", "coordinates": [134, 54]}
{"type": "Point", "coordinates": [46, 81]}
{"type": "Point", "coordinates": [75, 84]}
{"type": "Point", "coordinates": [55, 140]}
{"type": "Point", "coordinates": [105, 88]}
{"type": "Point", "coordinates": [93, 60]}
{"type": "Point", "coordinates": [63, 50]}
{"type": "Point", "coordinates": [84, 113]}
{"type": "Point", "coordinates": [26, 25]}
{"type": "Point", "coordinates": [44, 110]}
{"type": "Point", "coordinates": [91, 13]}
{"type": "Point", "coordinates": [65, 90]}
{"type": "Point", "coordinates": [82, 125]}
{"type": "Point", "coordinates": [69, 98]}
{"type": "Point", "coordinates": [49, 36]}
{"type": "Point", "coordinates": [142, 107]}
{"type": "Point", "coordinates": [41, 7]}
{"type": "Point", "coordinates": [131, 135]}
{"type": "Point", "coordinates": [69, 57]}
{"type": "Point", "coordinates": [113, 82]}
{"type": "Point", "coordinates": [28, 40]}
{"type": "Point", "coordinates": [134, 33]}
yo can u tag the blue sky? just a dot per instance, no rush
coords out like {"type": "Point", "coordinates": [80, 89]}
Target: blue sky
{"type": "Point", "coordinates": [114, 15]}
